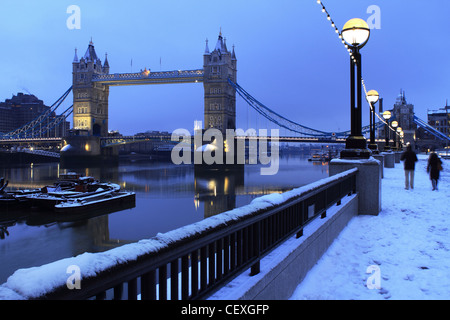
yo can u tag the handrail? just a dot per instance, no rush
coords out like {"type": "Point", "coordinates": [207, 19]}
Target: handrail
{"type": "Point", "coordinates": [201, 257]}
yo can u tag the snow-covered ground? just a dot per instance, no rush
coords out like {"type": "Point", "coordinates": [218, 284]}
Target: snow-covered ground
{"type": "Point", "coordinates": [406, 247]}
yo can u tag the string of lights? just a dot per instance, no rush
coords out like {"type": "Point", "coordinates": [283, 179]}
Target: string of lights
{"type": "Point", "coordinates": [336, 29]}
{"type": "Point", "coordinates": [341, 39]}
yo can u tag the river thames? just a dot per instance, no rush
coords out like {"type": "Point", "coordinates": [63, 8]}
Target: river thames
{"type": "Point", "coordinates": [168, 196]}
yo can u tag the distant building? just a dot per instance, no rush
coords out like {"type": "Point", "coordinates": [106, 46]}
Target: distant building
{"type": "Point", "coordinates": [440, 119]}
{"type": "Point", "coordinates": [21, 109]}
{"type": "Point", "coordinates": [403, 113]}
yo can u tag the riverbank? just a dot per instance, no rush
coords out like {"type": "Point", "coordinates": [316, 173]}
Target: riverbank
{"type": "Point", "coordinates": [406, 247]}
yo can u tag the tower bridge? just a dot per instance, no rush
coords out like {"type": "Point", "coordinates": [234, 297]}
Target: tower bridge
{"type": "Point", "coordinates": [91, 83]}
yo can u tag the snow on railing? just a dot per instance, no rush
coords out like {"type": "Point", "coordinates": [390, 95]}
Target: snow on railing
{"type": "Point", "coordinates": [189, 262]}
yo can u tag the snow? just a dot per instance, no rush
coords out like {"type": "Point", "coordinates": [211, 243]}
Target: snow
{"type": "Point", "coordinates": [408, 243]}
{"type": "Point", "coordinates": [206, 147]}
{"type": "Point", "coordinates": [371, 160]}
{"type": "Point", "coordinates": [34, 282]}
{"type": "Point", "coordinates": [67, 147]}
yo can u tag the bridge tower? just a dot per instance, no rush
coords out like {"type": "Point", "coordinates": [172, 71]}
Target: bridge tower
{"type": "Point", "coordinates": [220, 96]}
{"type": "Point", "coordinates": [90, 99]}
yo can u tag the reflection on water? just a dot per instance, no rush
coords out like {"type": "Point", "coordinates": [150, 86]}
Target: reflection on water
{"type": "Point", "coordinates": [167, 197]}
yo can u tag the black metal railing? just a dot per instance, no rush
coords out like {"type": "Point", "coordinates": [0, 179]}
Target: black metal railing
{"type": "Point", "coordinates": [195, 266]}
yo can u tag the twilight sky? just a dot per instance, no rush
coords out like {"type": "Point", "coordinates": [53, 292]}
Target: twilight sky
{"type": "Point", "coordinates": [289, 57]}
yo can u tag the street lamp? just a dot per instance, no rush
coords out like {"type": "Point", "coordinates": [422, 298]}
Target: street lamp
{"type": "Point", "coordinates": [402, 137]}
{"type": "Point", "coordinates": [399, 132]}
{"type": "Point", "coordinates": [386, 116]}
{"type": "Point", "coordinates": [372, 97]}
{"type": "Point", "coordinates": [394, 124]}
{"type": "Point", "coordinates": [355, 33]}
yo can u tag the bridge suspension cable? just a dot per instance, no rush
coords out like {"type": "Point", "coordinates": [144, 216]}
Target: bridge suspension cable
{"type": "Point", "coordinates": [291, 125]}
{"type": "Point", "coordinates": [276, 118]}
{"type": "Point", "coordinates": [285, 123]}
{"type": "Point", "coordinates": [430, 129]}
{"type": "Point", "coordinates": [59, 119]}
{"type": "Point", "coordinates": [29, 127]}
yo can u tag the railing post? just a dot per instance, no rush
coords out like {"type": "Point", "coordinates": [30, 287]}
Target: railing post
{"type": "Point", "coordinates": [174, 280]}
{"type": "Point", "coordinates": [184, 277]}
{"type": "Point", "coordinates": [203, 268]}
{"type": "Point", "coordinates": [148, 286]}
{"type": "Point", "coordinates": [118, 291]}
{"type": "Point", "coordinates": [256, 267]}
{"type": "Point", "coordinates": [194, 273]}
{"type": "Point", "coordinates": [163, 282]}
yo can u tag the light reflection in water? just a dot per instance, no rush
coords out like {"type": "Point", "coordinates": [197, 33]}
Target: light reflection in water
{"type": "Point", "coordinates": [167, 197]}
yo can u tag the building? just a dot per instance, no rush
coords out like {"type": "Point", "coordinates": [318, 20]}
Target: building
{"type": "Point", "coordinates": [403, 113]}
{"type": "Point", "coordinates": [220, 97]}
{"type": "Point", "coordinates": [6, 119]}
{"type": "Point", "coordinates": [440, 119]}
{"type": "Point", "coordinates": [21, 109]}
{"type": "Point", "coordinates": [90, 100]}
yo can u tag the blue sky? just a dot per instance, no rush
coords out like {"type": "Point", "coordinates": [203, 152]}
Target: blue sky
{"type": "Point", "coordinates": [289, 57]}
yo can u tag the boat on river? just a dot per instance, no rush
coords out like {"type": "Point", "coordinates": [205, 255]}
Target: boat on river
{"type": "Point", "coordinates": [13, 200]}
{"type": "Point", "coordinates": [70, 188]}
{"type": "Point", "coordinates": [321, 157]}
{"type": "Point", "coordinates": [93, 202]}
{"type": "Point", "coordinates": [48, 200]}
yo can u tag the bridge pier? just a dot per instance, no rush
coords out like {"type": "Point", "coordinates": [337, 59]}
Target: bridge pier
{"type": "Point", "coordinates": [80, 150]}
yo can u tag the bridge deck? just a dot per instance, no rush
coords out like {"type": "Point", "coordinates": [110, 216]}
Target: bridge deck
{"type": "Point", "coordinates": [147, 77]}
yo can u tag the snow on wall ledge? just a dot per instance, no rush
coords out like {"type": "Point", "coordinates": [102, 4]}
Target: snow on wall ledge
{"type": "Point", "coordinates": [32, 283]}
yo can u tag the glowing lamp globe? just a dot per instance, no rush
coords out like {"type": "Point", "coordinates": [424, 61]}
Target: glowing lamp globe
{"type": "Point", "coordinates": [372, 96]}
{"type": "Point", "coordinates": [356, 32]}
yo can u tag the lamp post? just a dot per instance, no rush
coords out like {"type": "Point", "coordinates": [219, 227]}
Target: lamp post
{"type": "Point", "coordinates": [402, 137]}
{"type": "Point", "coordinates": [372, 97]}
{"type": "Point", "coordinates": [386, 116]}
{"type": "Point", "coordinates": [399, 133]}
{"type": "Point", "coordinates": [356, 33]}
{"type": "Point", "coordinates": [394, 124]}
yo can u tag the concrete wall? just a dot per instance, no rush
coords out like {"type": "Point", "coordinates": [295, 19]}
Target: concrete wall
{"type": "Point", "coordinates": [368, 182]}
{"type": "Point", "coordinates": [284, 268]}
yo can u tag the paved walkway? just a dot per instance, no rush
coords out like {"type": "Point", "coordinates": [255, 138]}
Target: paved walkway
{"type": "Point", "coordinates": [404, 253]}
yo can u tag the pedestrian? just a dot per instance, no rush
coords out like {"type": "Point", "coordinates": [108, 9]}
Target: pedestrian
{"type": "Point", "coordinates": [410, 159]}
{"type": "Point", "coordinates": [433, 168]}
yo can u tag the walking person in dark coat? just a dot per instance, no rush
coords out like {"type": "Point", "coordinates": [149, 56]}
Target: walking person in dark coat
{"type": "Point", "coordinates": [433, 168]}
{"type": "Point", "coordinates": [410, 159]}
